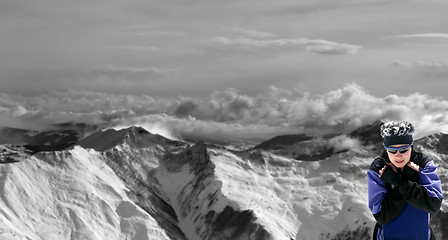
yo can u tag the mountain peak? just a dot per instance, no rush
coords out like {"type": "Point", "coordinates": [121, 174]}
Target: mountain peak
{"type": "Point", "coordinates": [134, 135]}
{"type": "Point", "coordinates": [438, 142]}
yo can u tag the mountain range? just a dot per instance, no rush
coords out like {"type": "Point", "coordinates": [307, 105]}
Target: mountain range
{"type": "Point", "coordinates": [76, 181]}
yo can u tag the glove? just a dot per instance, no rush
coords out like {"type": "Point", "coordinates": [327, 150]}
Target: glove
{"type": "Point", "coordinates": [410, 174]}
{"type": "Point", "coordinates": [390, 176]}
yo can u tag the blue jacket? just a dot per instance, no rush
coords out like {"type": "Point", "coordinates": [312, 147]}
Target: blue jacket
{"type": "Point", "coordinates": [387, 202]}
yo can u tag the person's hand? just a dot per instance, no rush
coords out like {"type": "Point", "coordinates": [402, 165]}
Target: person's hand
{"type": "Point", "coordinates": [411, 172]}
{"type": "Point", "coordinates": [384, 168]}
{"type": "Point", "coordinates": [390, 175]}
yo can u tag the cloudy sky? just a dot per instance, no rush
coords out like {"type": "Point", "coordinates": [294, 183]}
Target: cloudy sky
{"type": "Point", "coordinates": [246, 63]}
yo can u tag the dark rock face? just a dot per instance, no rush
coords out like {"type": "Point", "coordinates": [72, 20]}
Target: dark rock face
{"type": "Point", "coordinates": [12, 154]}
{"type": "Point", "coordinates": [52, 141]}
{"type": "Point", "coordinates": [231, 224]}
{"type": "Point", "coordinates": [280, 142]}
{"type": "Point", "coordinates": [363, 233]}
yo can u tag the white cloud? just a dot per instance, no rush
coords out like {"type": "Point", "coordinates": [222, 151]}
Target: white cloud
{"type": "Point", "coordinates": [430, 69]}
{"type": "Point", "coordinates": [423, 36]}
{"type": "Point", "coordinates": [312, 45]}
{"type": "Point", "coordinates": [343, 109]}
{"type": "Point", "coordinates": [252, 33]}
{"type": "Point", "coordinates": [331, 48]}
{"type": "Point", "coordinates": [174, 127]}
{"type": "Point", "coordinates": [19, 117]}
{"type": "Point", "coordinates": [76, 105]}
{"type": "Point", "coordinates": [230, 114]}
{"type": "Point", "coordinates": [343, 142]}
{"type": "Point", "coordinates": [18, 111]}
{"type": "Point", "coordinates": [420, 64]}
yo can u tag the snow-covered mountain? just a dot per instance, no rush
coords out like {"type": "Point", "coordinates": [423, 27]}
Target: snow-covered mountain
{"type": "Point", "coordinates": [132, 184]}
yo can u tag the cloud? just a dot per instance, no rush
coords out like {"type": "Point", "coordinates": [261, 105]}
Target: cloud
{"type": "Point", "coordinates": [230, 114]}
{"type": "Point", "coordinates": [311, 45]}
{"type": "Point", "coordinates": [423, 36]}
{"type": "Point", "coordinates": [77, 105]}
{"type": "Point", "coordinates": [344, 109]}
{"type": "Point", "coordinates": [18, 111]}
{"type": "Point", "coordinates": [433, 40]}
{"type": "Point", "coordinates": [423, 64]}
{"type": "Point", "coordinates": [154, 127]}
{"type": "Point", "coordinates": [433, 69]}
{"type": "Point", "coordinates": [186, 108]}
{"type": "Point", "coordinates": [224, 106]}
{"type": "Point", "coordinates": [343, 142]}
{"type": "Point", "coordinates": [175, 127]}
{"type": "Point", "coordinates": [252, 33]}
{"type": "Point", "coordinates": [331, 48]}
{"type": "Point", "coordinates": [19, 117]}
{"type": "Point", "coordinates": [341, 110]}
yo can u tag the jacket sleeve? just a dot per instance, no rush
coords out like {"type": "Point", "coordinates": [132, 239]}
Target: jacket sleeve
{"type": "Point", "coordinates": [384, 204]}
{"type": "Point", "coordinates": [427, 194]}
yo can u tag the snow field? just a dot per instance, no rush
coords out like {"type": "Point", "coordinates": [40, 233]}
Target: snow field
{"type": "Point", "coordinates": [70, 195]}
{"type": "Point", "coordinates": [302, 200]}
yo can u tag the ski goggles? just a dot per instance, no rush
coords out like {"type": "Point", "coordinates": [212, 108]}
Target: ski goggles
{"type": "Point", "coordinates": [402, 149]}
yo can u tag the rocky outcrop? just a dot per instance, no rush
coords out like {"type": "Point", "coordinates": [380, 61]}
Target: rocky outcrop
{"type": "Point", "coordinates": [11, 154]}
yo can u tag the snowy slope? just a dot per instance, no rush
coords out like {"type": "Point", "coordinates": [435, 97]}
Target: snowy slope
{"type": "Point", "coordinates": [301, 200]}
{"type": "Point", "coordinates": [69, 195]}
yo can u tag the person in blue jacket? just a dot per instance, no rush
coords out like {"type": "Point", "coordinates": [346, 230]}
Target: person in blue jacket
{"type": "Point", "coordinates": [403, 187]}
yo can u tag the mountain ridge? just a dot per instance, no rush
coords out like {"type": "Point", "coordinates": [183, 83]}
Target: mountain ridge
{"type": "Point", "coordinates": [145, 186]}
